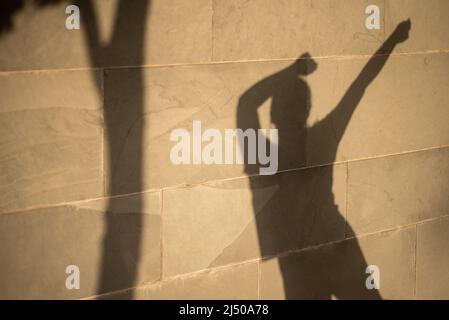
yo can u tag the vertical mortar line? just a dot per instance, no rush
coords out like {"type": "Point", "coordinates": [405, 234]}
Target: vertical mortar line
{"type": "Point", "coordinates": [385, 19]}
{"type": "Point", "coordinates": [346, 199]}
{"type": "Point", "coordinates": [161, 235]}
{"type": "Point", "coordinates": [258, 278]}
{"type": "Point", "coordinates": [103, 144]}
{"type": "Point", "coordinates": [212, 31]}
{"type": "Point", "coordinates": [415, 287]}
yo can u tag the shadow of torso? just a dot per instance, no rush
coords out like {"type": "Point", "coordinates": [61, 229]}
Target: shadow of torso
{"type": "Point", "coordinates": [301, 211]}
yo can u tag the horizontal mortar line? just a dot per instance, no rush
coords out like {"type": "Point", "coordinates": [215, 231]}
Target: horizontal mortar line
{"type": "Point", "coordinates": [76, 202]}
{"type": "Point", "coordinates": [328, 164]}
{"type": "Point", "coordinates": [215, 181]}
{"type": "Point", "coordinates": [218, 269]}
{"type": "Point", "coordinates": [246, 176]}
{"type": "Point", "coordinates": [335, 163]}
{"type": "Point", "coordinates": [358, 237]}
{"type": "Point", "coordinates": [109, 293]}
{"type": "Point", "coordinates": [186, 64]}
{"type": "Point", "coordinates": [208, 271]}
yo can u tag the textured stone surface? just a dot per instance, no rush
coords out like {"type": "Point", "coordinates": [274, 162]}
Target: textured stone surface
{"type": "Point", "coordinates": [429, 23]}
{"type": "Point", "coordinates": [263, 29]}
{"type": "Point", "coordinates": [51, 138]}
{"type": "Point", "coordinates": [134, 73]}
{"type": "Point", "coordinates": [118, 241]}
{"type": "Point", "coordinates": [433, 260]}
{"type": "Point", "coordinates": [338, 271]}
{"type": "Point", "coordinates": [228, 30]}
{"type": "Point", "coordinates": [398, 190]}
{"type": "Point", "coordinates": [234, 283]}
{"type": "Point", "coordinates": [170, 31]}
{"type": "Point", "coordinates": [234, 221]}
{"type": "Point", "coordinates": [397, 112]}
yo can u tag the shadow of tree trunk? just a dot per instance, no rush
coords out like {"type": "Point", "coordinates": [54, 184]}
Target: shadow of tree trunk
{"type": "Point", "coordinates": [123, 124]}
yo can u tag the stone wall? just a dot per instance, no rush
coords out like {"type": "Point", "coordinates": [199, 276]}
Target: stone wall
{"type": "Point", "coordinates": [86, 176]}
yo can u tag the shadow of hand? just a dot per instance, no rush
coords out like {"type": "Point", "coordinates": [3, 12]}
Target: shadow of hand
{"type": "Point", "coordinates": [401, 33]}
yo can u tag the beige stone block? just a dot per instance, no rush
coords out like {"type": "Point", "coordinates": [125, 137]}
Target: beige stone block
{"type": "Point", "coordinates": [115, 244]}
{"type": "Point", "coordinates": [234, 283]}
{"type": "Point", "coordinates": [432, 260]}
{"type": "Point", "coordinates": [429, 23]}
{"type": "Point", "coordinates": [337, 271]}
{"type": "Point", "coordinates": [51, 136]}
{"type": "Point", "coordinates": [179, 32]}
{"type": "Point", "coordinates": [146, 32]}
{"type": "Point", "coordinates": [397, 112]}
{"type": "Point", "coordinates": [234, 221]}
{"type": "Point", "coordinates": [264, 29]}
{"type": "Point", "coordinates": [397, 190]}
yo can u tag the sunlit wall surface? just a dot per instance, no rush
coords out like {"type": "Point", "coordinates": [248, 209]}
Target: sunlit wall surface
{"type": "Point", "coordinates": [131, 139]}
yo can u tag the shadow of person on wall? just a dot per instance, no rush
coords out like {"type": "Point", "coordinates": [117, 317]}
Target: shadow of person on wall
{"type": "Point", "coordinates": [303, 212]}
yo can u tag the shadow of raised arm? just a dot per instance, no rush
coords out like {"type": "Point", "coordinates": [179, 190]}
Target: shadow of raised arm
{"type": "Point", "coordinates": [251, 100]}
{"type": "Point", "coordinates": [342, 113]}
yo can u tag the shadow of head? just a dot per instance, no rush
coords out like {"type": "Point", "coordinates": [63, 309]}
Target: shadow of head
{"type": "Point", "coordinates": [305, 65]}
{"type": "Point", "coordinates": [289, 108]}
